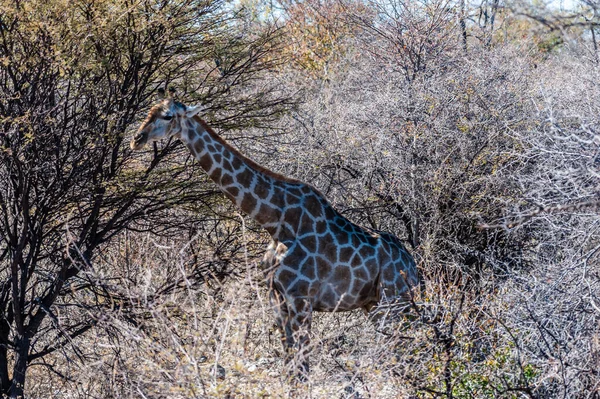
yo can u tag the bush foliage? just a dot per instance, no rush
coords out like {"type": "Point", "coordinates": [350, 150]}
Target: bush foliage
{"type": "Point", "coordinates": [469, 131]}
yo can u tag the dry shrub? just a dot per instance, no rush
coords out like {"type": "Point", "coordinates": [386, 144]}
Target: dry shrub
{"type": "Point", "coordinates": [471, 138]}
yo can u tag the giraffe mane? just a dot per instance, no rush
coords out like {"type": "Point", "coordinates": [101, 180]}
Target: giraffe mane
{"type": "Point", "coordinates": [261, 169]}
{"type": "Point", "coordinates": [254, 165]}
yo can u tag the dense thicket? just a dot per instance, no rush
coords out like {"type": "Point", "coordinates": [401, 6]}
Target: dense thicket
{"type": "Point", "coordinates": [73, 79]}
{"type": "Point", "coordinates": [468, 130]}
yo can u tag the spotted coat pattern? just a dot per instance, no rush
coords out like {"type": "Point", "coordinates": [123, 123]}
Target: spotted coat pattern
{"type": "Point", "coordinates": [318, 260]}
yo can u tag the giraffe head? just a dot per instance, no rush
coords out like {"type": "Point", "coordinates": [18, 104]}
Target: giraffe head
{"type": "Point", "coordinates": [165, 119]}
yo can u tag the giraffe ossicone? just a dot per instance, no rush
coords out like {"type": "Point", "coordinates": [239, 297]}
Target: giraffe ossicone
{"type": "Point", "coordinates": [318, 260]}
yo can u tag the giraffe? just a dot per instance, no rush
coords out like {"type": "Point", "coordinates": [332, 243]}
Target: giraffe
{"type": "Point", "coordinates": [317, 260]}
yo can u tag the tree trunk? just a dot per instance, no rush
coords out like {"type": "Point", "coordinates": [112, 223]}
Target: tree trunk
{"type": "Point", "coordinates": [4, 380]}
{"type": "Point", "coordinates": [21, 353]}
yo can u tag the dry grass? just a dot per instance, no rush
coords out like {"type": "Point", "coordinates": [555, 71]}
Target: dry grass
{"type": "Point", "coordinates": [217, 340]}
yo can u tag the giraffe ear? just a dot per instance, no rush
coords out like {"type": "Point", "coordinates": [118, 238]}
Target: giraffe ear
{"type": "Point", "coordinates": [193, 110]}
{"type": "Point", "coordinates": [160, 93]}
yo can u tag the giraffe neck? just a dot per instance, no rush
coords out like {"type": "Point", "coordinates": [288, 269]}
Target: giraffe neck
{"type": "Point", "coordinates": [264, 195]}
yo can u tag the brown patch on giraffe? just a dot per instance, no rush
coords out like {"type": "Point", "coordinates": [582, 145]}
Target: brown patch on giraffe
{"type": "Point", "coordinates": [236, 162]}
{"type": "Point", "coordinates": [301, 287]}
{"type": "Point", "coordinates": [293, 215]}
{"type": "Point", "coordinates": [405, 257]}
{"type": "Point", "coordinates": [330, 213]}
{"type": "Point", "coordinates": [328, 297]}
{"type": "Point", "coordinates": [244, 178]}
{"type": "Point", "coordinates": [295, 192]}
{"type": "Point", "coordinates": [329, 250]}
{"type": "Point", "coordinates": [346, 253]}
{"type": "Point", "coordinates": [205, 162]}
{"type": "Point", "coordinates": [310, 243]}
{"type": "Point", "coordinates": [323, 268]}
{"type": "Point", "coordinates": [227, 155]}
{"type": "Point", "coordinates": [298, 254]}
{"type": "Point", "coordinates": [226, 179]}
{"type": "Point", "coordinates": [361, 274]}
{"type": "Point", "coordinates": [198, 146]}
{"type": "Point", "coordinates": [321, 227]}
{"type": "Point", "coordinates": [306, 189]}
{"type": "Point", "coordinates": [366, 251]}
{"type": "Point", "coordinates": [227, 166]}
{"type": "Point", "coordinates": [211, 148]}
{"type": "Point", "coordinates": [388, 273]}
{"type": "Point", "coordinates": [262, 189]}
{"type": "Point", "coordinates": [382, 256]}
{"type": "Point", "coordinates": [267, 214]}
{"type": "Point", "coordinates": [233, 191]}
{"type": "Point", "coordinates": [341, 222]}
{"type": "Point", "coordinates": [285, 232]}
{"type": "Point", "coordinates": [286, 277]}
{"type": "Point", "coordinates": [342, 277]}
{"type": "Point", "coordinates": [278, 199]}
{"type": "Point", "coordinates": [355, 241]}
{"type": "Point", "coordinates": [308, 269]}
{"type": "Point", "coordinates": [216, 175]}
{"type": "Point", "coordinates": [248, 203]}
{"type": "Point", "coordinates": [394, 253]}
{"type": "Point", "coordinates": [357, 261]}
{"type": "Point", "coordinates": [342, 238]}
{"type": "Point", "coordinates": [313, 206]}
{"type": "Point", "coordinates": [306, 223]}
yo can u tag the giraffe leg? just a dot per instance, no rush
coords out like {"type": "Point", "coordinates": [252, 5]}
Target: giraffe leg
{"type": "Point", "coordinates": [281, 316]}
{"type": "Point", "coordinates": [297, 333]}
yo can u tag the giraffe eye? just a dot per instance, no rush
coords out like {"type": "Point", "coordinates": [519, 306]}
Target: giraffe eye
{"type": "Point", "coordinates": [167, 117]}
